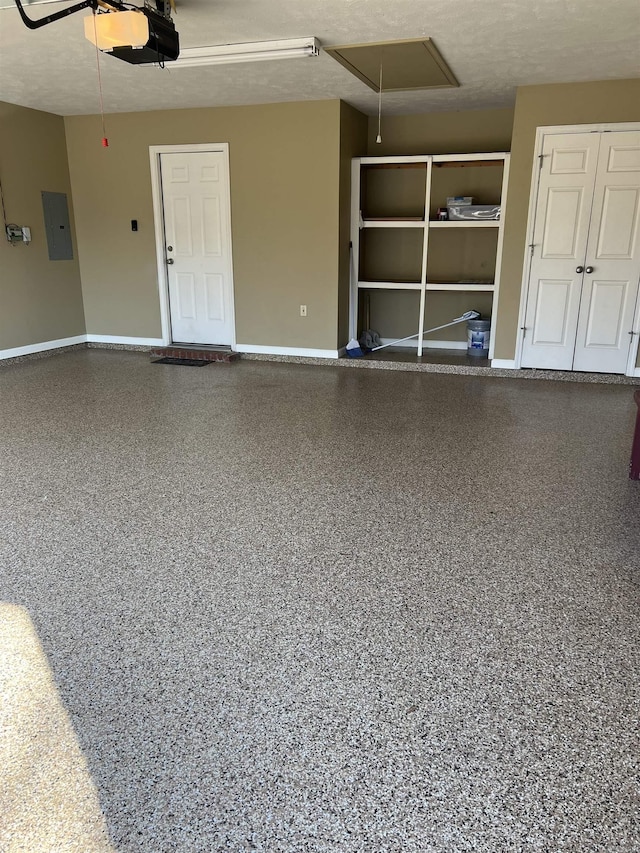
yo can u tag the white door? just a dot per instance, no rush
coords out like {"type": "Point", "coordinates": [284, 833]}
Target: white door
{"type": "Point", "coordinates": [612, 261]}
{"type": "Point", "coordinates": [565, 194]}
{"type": "Point", "coordinates": [585, 264]}
{"type": "Point", "coordinates": [195, 193]}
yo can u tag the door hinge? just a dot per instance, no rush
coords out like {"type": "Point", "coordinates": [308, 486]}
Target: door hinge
{"type": "Point", "coordinates": [523, 329]}
{"type": "Point", "coordinates": [532, 247]}
{"type": "Point", "coordinates": [541, 160]}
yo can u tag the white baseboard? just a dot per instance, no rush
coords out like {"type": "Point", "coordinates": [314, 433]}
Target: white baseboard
{"type": "Point", "coordinates": [29, 349]}
{"type": "Point", "coordinates": [43, 346]}
{"type": "Point", "coordinates": [119, 339]}
{"type": "Point", "coordinates": [504, 363]}
{"type": "Point", "coordinates": [427, 344]}
{"type": "Point", "coordinates": [293, 351]}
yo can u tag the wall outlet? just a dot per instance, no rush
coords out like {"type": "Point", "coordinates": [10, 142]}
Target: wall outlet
{"type": "Point", "coordinates": [303, 310]}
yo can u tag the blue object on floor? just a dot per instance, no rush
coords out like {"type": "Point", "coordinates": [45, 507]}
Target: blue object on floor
{"type": "Point", "coordinates": [353, 349]}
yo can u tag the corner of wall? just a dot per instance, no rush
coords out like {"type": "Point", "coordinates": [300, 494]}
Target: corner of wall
{"type": "Point", "coordinates": [353, 143]}
{"type": "Point", "coordinates": [41, 299]}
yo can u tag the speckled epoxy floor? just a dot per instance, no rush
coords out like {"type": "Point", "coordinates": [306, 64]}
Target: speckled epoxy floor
{"type": "Point", "coordinates": [297, 608]}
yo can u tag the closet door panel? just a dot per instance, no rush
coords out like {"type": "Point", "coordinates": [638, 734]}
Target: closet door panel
{"type": "Point", "coordinates": [612, 267]}
{"type": "Point", "coordinates": [561, 230]}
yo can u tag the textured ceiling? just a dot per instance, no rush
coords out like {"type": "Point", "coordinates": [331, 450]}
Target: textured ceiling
{"type": "Point", "coordinates": [490, 46]}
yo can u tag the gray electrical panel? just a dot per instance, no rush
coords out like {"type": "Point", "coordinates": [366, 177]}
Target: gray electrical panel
{"type": "Point", "coordinates": [57, 227]}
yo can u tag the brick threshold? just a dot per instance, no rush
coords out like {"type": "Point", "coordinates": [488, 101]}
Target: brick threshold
{"type": "Point", "coordinates": [198, 353]}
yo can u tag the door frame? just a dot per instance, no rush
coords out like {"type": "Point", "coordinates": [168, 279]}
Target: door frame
{"type": "Point", "coordinates": [158, 223]}
{"type": "Point", "coordinates": [541, 132]}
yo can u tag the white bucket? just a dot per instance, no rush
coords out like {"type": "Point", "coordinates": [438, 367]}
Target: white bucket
{"type": "Point", "coordinates": [478, 333]}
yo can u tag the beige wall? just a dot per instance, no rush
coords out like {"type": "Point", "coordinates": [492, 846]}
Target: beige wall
{"type": "Point", "coordinates": [539, 106]}
{"type": "Point", "coordinates": [442, 133]}
{"type": "Point", "coordinates": [289, 170]}
{"type": "Point", "coordinates": [353, 143]}
{"type": "Point", "coordinates": [284, 165]}
{"type": "Point", "coordinates": [40, 300]}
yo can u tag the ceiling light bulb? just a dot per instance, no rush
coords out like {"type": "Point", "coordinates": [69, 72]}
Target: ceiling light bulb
{"type": "Point", "coordinates": [117, 29]}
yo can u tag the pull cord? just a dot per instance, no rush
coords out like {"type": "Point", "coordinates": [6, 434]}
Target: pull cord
{"type": "Point", "coordinates": [105, 141]}
{"type": "Point", "coordinates": [379, 136]}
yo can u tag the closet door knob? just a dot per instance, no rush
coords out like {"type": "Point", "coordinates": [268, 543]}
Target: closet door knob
{"type": "Point", "coordinates": [579, 270]}
{"type": "Point", "coordinates": [589, 270]}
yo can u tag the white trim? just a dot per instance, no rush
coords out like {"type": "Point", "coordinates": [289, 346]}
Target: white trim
{"type": "Point", "coordinates": [188, 148]}
{"type": "Point", "coordinates": [541, 132]}
{"type": "Point", "coordinates": [158, 223]}
{"type": "Point", "coordinates": [470, 158]}
{"type": "Point", "coordinates": [294, 351]}
{"type": "Point", "coordinates": [467, 223]}
{"type": "Point", "coordinates": [388, 285]}
{"type": "Point", "coordinates": [497, 275]}
{"type": "Point", "coordinates": [354, 247]}
{"type": "Point", "coordinates": [423, 265]}
{"type": "Point", "coordinates": [427, 344]}
{"type": "Point", "coordinates": [504, 363]}
{"type": "Point", "coordinates": [29, 349]}
{"type": "Point", "coordinates": [527, 259]}
{"type": "Point", "coordinates": [372, 160]}
{"type": "Point", "coordinates": [553, 129]}
{"type": "Point", "coordinates": [635, 372]}
{"type": "Point", "coordinates": [119, 339]}
{"type": "Point", "coordinates": [635, 340]}
{"type": "Point", "coordinates": [158, 227]}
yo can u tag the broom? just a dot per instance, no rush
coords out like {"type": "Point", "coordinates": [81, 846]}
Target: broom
{"type": "Point", "coordinates": [354, 349]}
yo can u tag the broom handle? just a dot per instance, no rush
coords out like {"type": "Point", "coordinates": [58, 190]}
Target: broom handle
{"type": "Point", "coordinates": [426, 332]}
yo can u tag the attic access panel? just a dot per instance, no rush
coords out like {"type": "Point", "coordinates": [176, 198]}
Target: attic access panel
{"type": "Point", "coordinates": [406, 65]}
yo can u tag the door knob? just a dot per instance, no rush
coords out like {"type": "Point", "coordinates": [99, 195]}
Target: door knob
{"type": "Point", "coordinates": [589, 270]}
{"type": "Point", "coordinates": [169, 260]}
{"type": "Point", "coordinates": [579, 270]}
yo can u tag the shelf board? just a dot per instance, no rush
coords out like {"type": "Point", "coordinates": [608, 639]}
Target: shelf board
{"type": "Point", "coordinates": [464, 223]}
{"type": "Point", "coordinates": [418, 163]}
{"type": "Point", "coordinates": [394, 222]}
{"type": "Point", "coordinates": [463, 287]}
{"type": "Point", "coordinates": [471, 159]}
{"type": "Point", "coordinates": [453, 286]}
{"type": "Point", "coordinates": [466, 164]}
{"type": "Point", "coordinates": [389, 285]}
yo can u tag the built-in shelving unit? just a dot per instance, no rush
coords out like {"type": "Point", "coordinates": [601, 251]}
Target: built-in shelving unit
{"type": "Point", "coordinates": [398, 242]}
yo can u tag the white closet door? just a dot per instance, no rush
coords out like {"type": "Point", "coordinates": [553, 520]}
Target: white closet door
{"type": "Point", "coordinates": [612, 261]}
{"type": "Point", "coordinates": [563, 210]}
